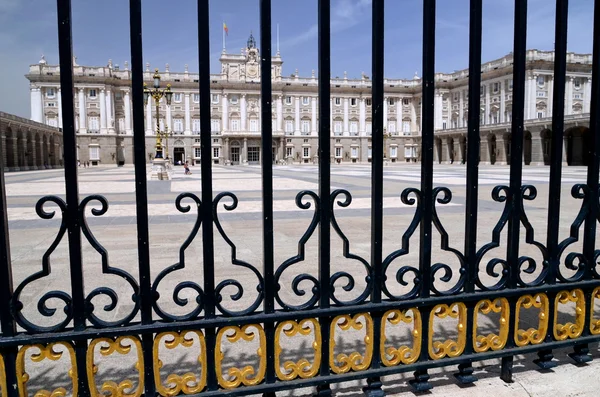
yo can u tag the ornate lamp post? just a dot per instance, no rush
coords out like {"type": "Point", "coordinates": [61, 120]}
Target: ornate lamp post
{"type": "Point", "coordinates": [156, 93]}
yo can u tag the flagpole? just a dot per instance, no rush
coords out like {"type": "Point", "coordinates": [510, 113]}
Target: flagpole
{"type": "Point", "coordinates": [223, 28]}
{"type": "Point", "coordinates": [277, 39]}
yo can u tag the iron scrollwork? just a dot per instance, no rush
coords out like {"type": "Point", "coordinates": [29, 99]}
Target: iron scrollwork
{"type": "Point", "coordinates": [181, 265]}
{"type": "Point", "coordinates": [299, 258]}
{"type": "Point", "coordinates": [235, 261]}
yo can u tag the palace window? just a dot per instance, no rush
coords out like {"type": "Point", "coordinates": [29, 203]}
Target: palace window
{"type": "Point", "coordinates": [305, 126]}
{"type": "Point", "coordinates": [541, 80]}
{"type": "Point", "coordinates": [289, 126]}
{"type": "Point", "coordinates": [178, 125]}
{"type": "Point", "coordinates": [391, 101]}
{"type": "Point", "coordinates": [196, 98]}
{"type": "Point", "coordinates": [444, 124]}
{"type": "Point", "coordinates": [406, 127]}
{"type": "Point", "coordinates": [393, 152]}
{"type": "Point", "coordinates": [577, 83]}
{"type": "Point", "coordinates": [93, 123]}
{"type": "Point", "coordinates": [197, 152]}
{"type": "Point", "coordinates": [337, 101]}
{"type": "Point", "coordinates": [121, 124]}
{"type": "Point", "coordinates": [51, 104]}
{"type": "Point", "coordinates": [215, 126]}
{"type": "Point", "coordinates": [406, 101]}
{"type": "Point", "coordinates": [196, 126]}
{"type": "Point", "coordinates": [482, 90]}
{"type": "Point", "coordinates": [50, 93]}
{"type": "Point", "coordinates": [391, 126]}
{"type": "Point", "coordinates": [177, 97]}
{"type": "Point", "coordinates": [94, 153]}
{"type": "Point", "coordinates": [354, 152]}
{"type": "Point", "coordinates": [368, 101]}
{"type": "Point", "coordinates": [496, 87]}
{"type": "Point", "coordinates": [369, 128]}
{"type": "Point", "coordinates": [254, 125]}
{"type": "Point", "coordinates": [288, 100]}
{"type": "Point", "coordinates": [93, 93]}
{"type": "Point", "coordinates": [289, 152]}
{"type": "Point", "coordinates": [338, 152]}
{"type": "Point", "coordinates": [216, 153]}
{"type": "Point", "coordinates": [370, 152]}
{"type": "Point", "coordinates": [215, 98]}
{"type": "Point", "coordinates": [234, 100]}
{"type": "Point", "coordinates": [540, 115]}
{"type": "Point", "coordinates": [352, 101]}
{"type": "Point", "coordinates": [305, 100]}
{"type": "Point", "coordinates": [235, 125]}
{"type": "Point", "coordinates": [52, 122]}
{"type": "Point", "coordinates": [306, 152]}
{"type": "Point", "coordinates": [354, 127]}
{"type": "Point", "coordinates": [337, 127]}
{"type": "Point", "coordinates": [510, 85]}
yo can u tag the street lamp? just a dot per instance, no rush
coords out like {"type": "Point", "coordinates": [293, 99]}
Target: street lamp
{"type": "Point", "coordinates": [156, 93]}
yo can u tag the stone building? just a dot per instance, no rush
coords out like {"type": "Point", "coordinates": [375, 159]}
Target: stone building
{"type": "Point", "coordinates": [104, 118]}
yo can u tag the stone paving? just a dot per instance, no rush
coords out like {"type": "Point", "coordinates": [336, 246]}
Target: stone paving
{"type": "Point", "coordinates": [116, 230]}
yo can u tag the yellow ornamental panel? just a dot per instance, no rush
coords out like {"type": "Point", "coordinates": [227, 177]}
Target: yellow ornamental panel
{"type": "Point", "coordinates": [532, 335]}
{"type": "Point", "coordinates": [355, 361]}
{"type": "Point", "coordinates": [120, 346]}
{"type": "Point", "coordinates": [45, 352]}
{"type": "Point", "coordinates": [570, 330]}
{"type": "Point", "coordinates": [188, 383]}
{"type": "Point", "coordinates": [302, 368]}
{"type": "Point", "coordinates": [483, 343]}
{"type": "Point", "coordinates": [3, 391]}
{"type": "Point", "coordinates": [247, 375]}
{"type": "Point", "coordinates": [595, 321]}
{"type": "Point", "coordinates": [391, 355]}
{"type": "Point", "coordinates": [450, 348]}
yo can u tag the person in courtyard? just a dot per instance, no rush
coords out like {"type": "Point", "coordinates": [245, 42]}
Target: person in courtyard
{"type": "Point", "coordinates": [186, 169]}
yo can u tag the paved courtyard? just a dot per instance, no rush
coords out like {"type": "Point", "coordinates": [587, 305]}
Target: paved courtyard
{"type": "Point", "coordinates": [116, 230]}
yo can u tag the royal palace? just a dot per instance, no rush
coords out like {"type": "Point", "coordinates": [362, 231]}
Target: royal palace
{"type": "Point", "coordinates": [105, 130]}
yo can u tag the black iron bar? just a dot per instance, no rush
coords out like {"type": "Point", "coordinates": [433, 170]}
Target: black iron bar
{"type": "Point", "coordinates": [141, 197]}
{"type": "Point", "coordinates": [65, 52]}
{"type": "Point", "coordinates": [207, 194]}
{"type": "Point", "coordinates": [473, 152]}
{"type": "Point", "coordinates": [516, 166]}
{"type": "Point", "coordinates": [266, 95]}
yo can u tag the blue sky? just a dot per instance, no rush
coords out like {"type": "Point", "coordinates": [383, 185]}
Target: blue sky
{"type": "Point", "coordinates": [101, 32]}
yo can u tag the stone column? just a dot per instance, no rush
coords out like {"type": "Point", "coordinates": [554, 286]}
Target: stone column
{"type": "Point", "coordinates": [149, 125]}
{"type": "Point", "coordinates": [127, 101]}
{"type": "Point", "coordinates": [82, 112]}
{"type": "Point", "coordinates": [437, 111]}
{"type": "Point", "coordinates": [501, 150]}
{"type": "Point", "coordinates": [37, 110]}
{"type": "Point", "coordinates": [413, 116]}
{"type": "Point", "coordinates": [16, 157]}
{"type": "Point", "coordinates": [537, 149]}
{"type": "Point", "coordinates": [484, 151]}
{"type": "Point", "coordinates": [461, 110]}
{"type": "Point", "coordinates": [346, 130]}
{"type": "Point", "coordinates": [362, 117]}
{"type": "Point", "coordinates": [297, 116]}
{"type": "Point", "coordinates": [502, 102]}
{"type": "Point", "coordinates": [527, 95]}
{"type": "Point", "coordinates": [533, 99]}
{"type": "Point", "coordinates": [188, 119]}
{"type": "Point", "coordinates": [458, 156]}
{"type": "Point", "coordinates": [487, 118]}
{"type": "Point", "coordinates": [564, 152]}
{"type": "Point", "coordinates": [109, 112]}
{"type": "Point", "coordinates": [313, 118]}
{"type": "Point", "coordinates": [60, 120]}
{"type": "Point", "coordinates": [33, 155]}
{"type": "Point", "coordinates": [225, 126]}
{"type": "Point", "coordinates": [446, 151]}
{"type": "Point", "coordinates": [587, 95]}
{"type": "Point", "coordinates": [569, 96]}
{"type": "Point", "coordinates": [385, 113]}
{"type": "Point", "coordinates": [168, 119]}
{"type": "Point", "coordinates": [550, 94]}
{"type": "Point", "coordinates": [280, 113]}
{"type": "Point", "coordinates": [243, 114]}
{"type": "Point", "coordinates": [245, 152]}
{"type": "Point", "coordinates": [102, 111]}
{"type": "Point", "coordinates": [225, 155]}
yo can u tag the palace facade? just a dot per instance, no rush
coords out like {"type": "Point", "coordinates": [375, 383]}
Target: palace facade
{"type": "Point", "coordinates": [104, 110]}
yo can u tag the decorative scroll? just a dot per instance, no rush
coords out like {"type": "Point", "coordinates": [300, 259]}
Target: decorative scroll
{"type": "Point", "coordinates": [570, 330]}
{"type": "Point", "coordinates": [45, 352]}
{"type": "Point", "coordinates": [179, 266]}
{"type": "Point", "coordinates": [299, 258]}
{"type": "Point", "coordinates": [42, 304]}
{"type": "Point", "coordinates": [347, 254]}
{"type": "Point", "coordinates": [239, 376]}
{"type": "Point", "coordinates": [483, 343]}
{"type": "Point", "coordinates": [109, 347]}
{"type": "Point", "coordinates": [595, 321]}
{"type": "Point", "coordinates": [106, 269]}
{"type": "Point", "coordinates": [237, 262]}
{"type": "Point", "coordinates": [574, 261]}
{"type": "Point", "coordinates": [391, 356]}
{"type": "Point", "coordinates": [3, 391]}
{"type": "Point", "coordinates": [404, 250]}
{"type": "Point", "coordinates": [532, 335]}
{"type": "Point", "coordinates": [450, 348]}
{"type": "Point", "coordinates": [302, 368]}
{"type": "Point", "coordinates": [187, 383]}
{"type": "Point", "coordinates": [437, 267]}
{"type": "Point", "coordinates": [353, 361]}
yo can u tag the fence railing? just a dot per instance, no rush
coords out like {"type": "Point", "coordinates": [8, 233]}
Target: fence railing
{"type": "Point", "coordinates": [320, 312]}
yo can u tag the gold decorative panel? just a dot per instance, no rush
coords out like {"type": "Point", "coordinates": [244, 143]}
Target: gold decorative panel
{"type": "Point", "coordinates": [108, 347]}
{"type": "Point", "coordinates": [353, 361]}
{"type": "Point", "coordinates": [391, 356]}
{"type": "Point", "coordinates": [450, 348]}
{"type": "Point", "coordinates": [570, 330]}
{"type": "Point", "coordinates": [244, 375]}
{"type": "Point", "coordinates": [302, 368]}
{"type": "Point", "coordinates": [2, 378]}
{"type": "Point", "coordinates": [188, 383]}
{"type": "Point", "coordinates": [44, 352]}
{"type": "Point", "coordinates": [595, 321]}
{"type": "Point", "coordinates": [483, 343]}
{"type": "Point", "coordinates": [532, 335]}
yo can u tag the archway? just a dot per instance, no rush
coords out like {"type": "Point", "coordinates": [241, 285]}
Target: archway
{"type": "Point", "coordinates": [52, 151]}
{"type": "Point", "coordinates": [463, 149]}
{"type": "Point", "coordinates": [39, 160]}
{"type": "Point", "coordinates": [20, 150]}
{"type": "Point", "coordinates": [546, 137]}
{"type": "Point", "coordinates": [45, 158]}
{"type": "Point", "coordinates": [10, 149]}
{"type": "Point", "coordinates": [527, 147]}
{"type": "Point", "coordinates": [234, 152]}
{"type": "Point", "coordinates": [451, 154]}
{"type": "Point", "coordinates": [438, 150]}
{"type": "Point", "coordinates": [578, 145]}
{"type": "Point", "coordinates": [492, 147]}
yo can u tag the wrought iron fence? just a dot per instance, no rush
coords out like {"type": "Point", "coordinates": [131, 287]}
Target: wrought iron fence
{"type": "Point", "coordinates": [319, 312]}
